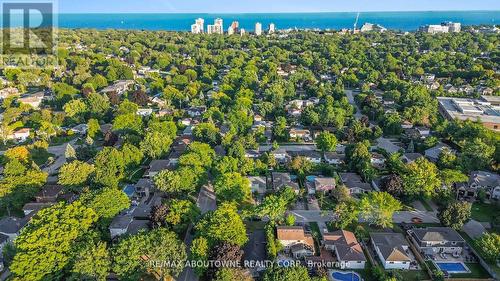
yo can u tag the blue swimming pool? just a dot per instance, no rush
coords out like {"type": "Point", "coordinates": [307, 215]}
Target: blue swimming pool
{"type": "Point", "coordinates": [129, 190]}
{"type": "Point", "coordinates": [345, 276]}
{"type": "Point", "coordinates": [452, 267]}
{"type": "Point", "coordinates": [310, 178]}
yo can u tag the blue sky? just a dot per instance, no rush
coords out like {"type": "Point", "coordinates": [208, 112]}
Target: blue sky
{"type": "Point", "coordinates": [269, 6]}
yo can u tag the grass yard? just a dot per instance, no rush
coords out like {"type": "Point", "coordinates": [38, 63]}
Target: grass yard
{"type": "Point", "coordinates": [469, 241]}
{"type": "Point", "coordinates": [485, 212]}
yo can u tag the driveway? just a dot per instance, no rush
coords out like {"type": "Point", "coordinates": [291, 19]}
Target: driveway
{"type": "Point", "coordinates": [60, 158]}
{"type": "Point", "coordinates": [474, 229]}
{"type": "Point", "coordinates": [206, 202]}
{"type": "Point", "coordinates": [206, 199]}
{"type": "Point", "coordinates": [350, 97]}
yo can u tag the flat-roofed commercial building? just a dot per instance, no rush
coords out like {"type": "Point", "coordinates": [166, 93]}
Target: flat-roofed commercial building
{"type": "Point", "coordinates": [486, 110]}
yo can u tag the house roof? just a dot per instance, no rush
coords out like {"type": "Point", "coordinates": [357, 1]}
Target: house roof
{"type": "Point", "coordinates": [410, 157]}
{"type": "Point", "coordinates": [434, 234]}
{"type": "Point", "coordinates": [391, 246]}
{"type": "Point", "coordinates": [288, 233]}
{"type": "Point", "coordinates": [484, 179]}
{"type": "Point", "coordinates": [322, 183]}
{"type": "Point", "coordinates": [3, 238]}
{"type": "Point", "coordinates": [158, 165]}
{"type": "Point", "coordinates": [121, 222]}
{"type": "Point", "coordinates": [11, 225]}
{"type": "Point", "coordinates": [346, 245]}
{"type": "Point", "coordinates": [434, 152]}
{"type": "Point", "coordinates": [50, 191]}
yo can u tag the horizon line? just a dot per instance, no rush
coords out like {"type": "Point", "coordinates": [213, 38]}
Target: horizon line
{"type": "Point", "coordinates": [309, 12]}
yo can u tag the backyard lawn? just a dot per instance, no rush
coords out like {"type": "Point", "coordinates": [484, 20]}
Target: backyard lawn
{"type": "Point", "coordinates": [485, 212]}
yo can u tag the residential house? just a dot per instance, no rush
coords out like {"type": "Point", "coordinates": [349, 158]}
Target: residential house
{"type": "Point", "coordinates": [252, 154]}
{"type": "Point", "coordinates": [144, 112]}
{"type": "Point", "coordinates": [311, 155]}
{"type": "Point", "coordinates": [282, 180]}
{"type": "Point", "coordinates": [8, 92]}
{"type": "Point", "coordinates": [437, 240]}
{"type": "Point", "coordinates": [346, 247]}
{"type": "Point", "coordinates": [433, 153]}
{"type": "Point", "coordinates": [410, 157]}
{"type": "Point", "coordinates": [324, 184]}
{"type": "Point", "coordinates": [481, 180]}
{"type": "Point", "coordinates": [35, 207]}
{"type": "Point", "coordinates": [157, 166]}
{"type": "Point", "coordinates": [423, 131]}
{"type": "Point", "coordinates": [80, 129]}
{"type": "Point", "coordinates": [296, 241]}
{"type": "Point", "coordinates": [49, 194]}
{"type": "Point", "coordinates": [196, 111]}
{"type": "Point", "coordinates": [377, 160]}
{"type": "Point", "coordinates": [354, 183]}
{"type": "Point", "coordinates": [296, 133]}
{"type": "Point", "coordinates": [258, 184]}
{"type": "Point", "coordinates": [119, 225]}
{"type": "Point", "coordinates": [280, 155]}
{"type": "Point", "coordinates": [119, 87]}
{"type": "Point", "coordinates": [11, 226]}
{"type": "Point", "coordinates": [20, 135]}
{"type": "Point", "coordinates": [34, 100]}
{"type": "Point", "coordinates": [392, 250]}
{"type": "Point", "coordinates": [334, 158]}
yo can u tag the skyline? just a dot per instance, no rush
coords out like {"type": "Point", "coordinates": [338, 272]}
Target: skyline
{"type": "Point", "coordinates": [277, 6]}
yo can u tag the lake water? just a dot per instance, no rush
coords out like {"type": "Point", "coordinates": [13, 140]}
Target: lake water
{"type": "Point", "coordinates": [406, 21]}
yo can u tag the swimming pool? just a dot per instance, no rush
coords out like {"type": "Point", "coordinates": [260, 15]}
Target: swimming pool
{"type": "Point", "coordinates": [310, 178]}
{"type": "Point", "coordinates": [345, 276]}
{"type": "Point", "coordinates": [129, 190]}
{"type": "Point", "coordinates": [453, 267]}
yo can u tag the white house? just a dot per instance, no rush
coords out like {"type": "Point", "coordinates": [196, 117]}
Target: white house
{"type": "Point", "coordinates": [20, 135]}
{"type": "Point", "coordinates": [392, 250]}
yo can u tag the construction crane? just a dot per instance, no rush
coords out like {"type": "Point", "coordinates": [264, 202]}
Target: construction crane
{"type": "Point", "coordinates": [356, 23]}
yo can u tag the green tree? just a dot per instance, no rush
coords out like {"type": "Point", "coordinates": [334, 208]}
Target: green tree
{"type": "Point", "coordinates": [128, 123]}
{"type": "Point", "coordinates": [223, 225]}
{"type": "Point", "coordinates": [292, 273]}
{"type": "Point", "coordinates": [93, 128]}
{"type": "Point", "coordinates": [75, 174]}
{"type": "Point", "coordinates": [489, 244]}
{"type": "Point", "coordinates": [107, 202]}
{"type": "Point", "coordinates": [347, 214]}
{"type": "Point", "coordinates": [326, 141]}
{"type": "Point", "coordinates": [156, 245]}
{"type": "Point", "coordinates": [455, 214]}
{"type": "Point", "coordinates": [232, 187]}
{"type": "Point", "coordinates": [476, 155]}
{"type": "Point", "coordinates": [181, 212]}
{"type": "Point", "coordinates": [92, 263]}
{"type": "Point", "coordinates": [155, 145]}
{"type": "Point", "coordinates": [378, 208]}
{"type": "Point", "coordinates": [199, 253]}
{"type": "Point", "coordinates": [421, 178]}
{"type": "Point", "coordinates": [45, 245]}
{"type": "Point", "coordinates": [273, 207]}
